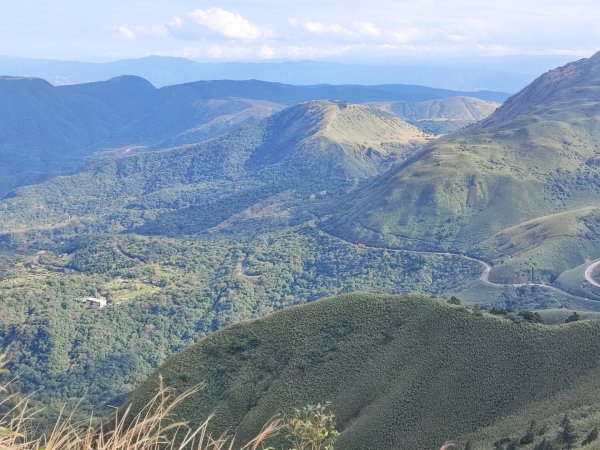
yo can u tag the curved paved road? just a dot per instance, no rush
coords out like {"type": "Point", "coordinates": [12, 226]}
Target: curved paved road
{"type": "Point", "coordinates": [589, 271]}
{"type": "Point", "coordinates": [487, 268]}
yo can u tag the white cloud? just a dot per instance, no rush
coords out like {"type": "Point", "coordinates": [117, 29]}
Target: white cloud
{"type": "Point", "coordinates": [366, 28]}
{"type": "Point", "coordinates": [355, 32]}
{"type": "Point", "coordinates": [175, 22]}
{"type": "Point", "coordinates": [133, 32]}
{"type": "Point", "coordinates": [215, 51]}
{"type": "Point", "coordinates": [386, 47]}
{"type": "Point", "coordinates": [321, 30]}
{"type": "Point", "coordinates": [226, 24]}
{"type": "Point", "coordinates": [326, 28]}
{"type": "Point", "coordinates": [309, 51]}
{"type": "Point", "coordinates": [407, 35]}
{"type": "Point", "coordinates": [230, 50]}
{"type": "Point", "coordinates": [455, 37]}
{"type": "Point", "coordinates": [267, 52]}
{"type": "Point", "coordinates": [124, 32]}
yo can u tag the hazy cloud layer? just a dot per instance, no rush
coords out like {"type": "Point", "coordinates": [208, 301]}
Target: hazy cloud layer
{"type": "Point", "coordinates": [266, 29]}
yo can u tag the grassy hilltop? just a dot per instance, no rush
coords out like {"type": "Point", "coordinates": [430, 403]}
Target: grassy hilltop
{"type": "Point", "coordinates": [443, 115]}
{"type": "Point", "coordinates": [302, 150]}
{"type": "Point", "coordinates": [401, 372]}
{"type": "Point", "coordinates": [49, 130]}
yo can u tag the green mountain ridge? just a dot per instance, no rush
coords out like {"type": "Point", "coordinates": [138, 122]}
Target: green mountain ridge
{"type": "Point", "coordinates": [532, 158]}
{"type": "Point", "coordinates": [401, 372]}
{"type": "Point", "coordinates": [55, 128]}
{"type": "Point", "coordinates": [554, 91]}
{"type": "Point", "coordinates": [270, 213]}
{"type": "Point", "coordinates": [306, 148]}
{"type": "Point", "coordinates": [49, 130]}
{"type": "Point", "coordinates": [369, 139]}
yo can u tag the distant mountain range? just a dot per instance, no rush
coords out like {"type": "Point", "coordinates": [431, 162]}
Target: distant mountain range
{"type": "Point", "coordinates": [531, 165]}
{"type": "Point", "coordinates": [309, 147]}
{"type": "Point", "coordinates": [508, 74]}
{"type": "Point", "coordinates": [443, 115]}
{"type": "Point", "coordinates": [54, 128]}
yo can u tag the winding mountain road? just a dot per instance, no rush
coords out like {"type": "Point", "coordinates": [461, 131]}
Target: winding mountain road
{"type": "Point", "coordinates": [589, 271]}
{"type": "Point", "coordinates": [487, 269]}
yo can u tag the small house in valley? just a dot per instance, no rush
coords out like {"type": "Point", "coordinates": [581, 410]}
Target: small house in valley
{"type": "Point", "coordinates": [96, 302]}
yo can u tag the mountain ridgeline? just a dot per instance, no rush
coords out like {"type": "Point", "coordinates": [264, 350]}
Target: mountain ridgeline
{"type": "Point", "coordinates": [519, 188]}
{"type": "Point", "coordinates": [400, 372]}
{"type": "Point", "coordinates": [193, 207]}
{"type": "Point", "coordinates": [441, 115]}
{"type": "Point", "coordinates": [55, 128]}
{"type": "Point", "coordinates": [336, 139]}
{"type": "Point", "coordinates": [305, 149]}
{"type": "Point", "coordinates": [495, 72]}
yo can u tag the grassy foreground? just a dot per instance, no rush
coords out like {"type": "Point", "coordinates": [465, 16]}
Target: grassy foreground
{"type": "Point", "coordinates": [152, 428]}
{"type": "Point", "coordinates": [400, 372]}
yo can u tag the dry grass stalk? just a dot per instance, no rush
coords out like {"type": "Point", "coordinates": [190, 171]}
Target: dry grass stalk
{"type": "Point", "coordinates": [153, 428]}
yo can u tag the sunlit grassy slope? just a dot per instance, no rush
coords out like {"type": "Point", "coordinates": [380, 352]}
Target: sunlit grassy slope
{"type": "Point", "coordinates": [441, 115]}
{"type": "Point", "coordinates": [535, 157]}
{"type": "Point", "coordinates": [48, 130]}
{"type": "Point", "coordinates": [307, 148]}
{"type": "Point", "coordinates": [401, 372]}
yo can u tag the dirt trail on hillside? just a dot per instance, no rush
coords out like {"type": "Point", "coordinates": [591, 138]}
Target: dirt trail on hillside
{"type": "Point", "coordinates": [242, 266]}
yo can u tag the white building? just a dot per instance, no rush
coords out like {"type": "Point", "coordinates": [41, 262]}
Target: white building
{"type": "Point", "coordinates": [97, 302]}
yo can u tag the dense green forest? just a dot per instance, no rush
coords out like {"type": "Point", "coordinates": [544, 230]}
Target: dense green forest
{"type": "Point", "coordinates": [519, 188]}
{"type": "Point", "coordinates": [164, 293]}
{"type": "Point", "coordinates": [183, 241]}
{"type": "Point", "coordinates": [49, 130]}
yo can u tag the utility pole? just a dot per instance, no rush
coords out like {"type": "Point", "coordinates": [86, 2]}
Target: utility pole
{"type": "Point", "coordinates": [531, 274]}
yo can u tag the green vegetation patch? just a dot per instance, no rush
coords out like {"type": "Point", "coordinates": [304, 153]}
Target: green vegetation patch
{"type": "Point", "coordinates": [401, 372]}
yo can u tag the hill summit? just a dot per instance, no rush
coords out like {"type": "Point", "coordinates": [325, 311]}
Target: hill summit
{"type": "Point", "coordinates": [401, 372]}
{"type": "Point", "coordinates": [311, 147]}
{"type": "Point", "coordinates": [49, 130]}
{"type": "Point", "coordinates": [566, 90]}
{"type": "Point", "coordinates": [336, 138]}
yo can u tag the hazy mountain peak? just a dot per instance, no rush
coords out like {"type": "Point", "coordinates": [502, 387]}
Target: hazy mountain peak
{"type": "Point", "coordinates": [17, 78]}
{"type": "Point", "coordinates": [12, 81]}
{"type": "Point", "coordinates": [595, 56]}
{"type": "Point", "coordinates": [130, 80]}
{"type": "Point", "coordinates": [574, 82]}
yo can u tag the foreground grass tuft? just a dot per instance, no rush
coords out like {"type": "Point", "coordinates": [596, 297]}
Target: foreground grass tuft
{"type": "Point", "coordinates": [152, 428]}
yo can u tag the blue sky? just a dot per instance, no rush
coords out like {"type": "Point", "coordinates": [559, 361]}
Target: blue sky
{"type": "Point", "coordinates": [352, 30]}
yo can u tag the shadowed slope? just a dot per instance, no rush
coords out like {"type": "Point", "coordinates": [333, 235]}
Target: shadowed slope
{"type": "Point", "coordinates": [48, 130]}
